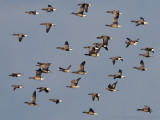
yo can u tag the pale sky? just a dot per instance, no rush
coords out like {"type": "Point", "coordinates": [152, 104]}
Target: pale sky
{"type": "Point", "coordinates": [136, 90]}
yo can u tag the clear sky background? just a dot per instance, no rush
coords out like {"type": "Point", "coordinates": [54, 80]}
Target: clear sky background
{"type": "Point", "coordinates": [136, 90]}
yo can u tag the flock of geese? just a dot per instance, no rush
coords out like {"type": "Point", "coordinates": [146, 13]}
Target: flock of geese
{"type": "Point", "coordinates": [93, 51]}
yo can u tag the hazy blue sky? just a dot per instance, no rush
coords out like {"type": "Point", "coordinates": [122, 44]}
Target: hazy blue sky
{"type": "Point", "coordinates": [136, 90]}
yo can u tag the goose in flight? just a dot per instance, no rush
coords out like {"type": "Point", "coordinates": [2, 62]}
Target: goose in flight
{"type": "Point", "coordinates": [80, 12]}
{"type": "Point", "coordinates": [65, 69]}
{"type": "Point", "coordinates": [145, 109]}
{"type": "Point", "coordinates": [44, 66]}
{"type": "Point", "coordinates": [141, 67]}
{"type": "Point", "coordinates": [32, 12]}
{"type": "Point", "coordinates": [66, 47]}
{"type": "Point", "coordinates": [17, 86]}
{"type": "Point", "coordinates": [56, 100]}
{"type": "Point", "coordinates": [115, 13]}
{"type": "Point", "coordinates": [140, 21]}
{"type": "Point", "coordinates": [95, 95]}
{"type": "Point", "coordinates": [116, 58]}
{"type": "Point", "coordinates": [15, 74]}
{"type": "Point", "coordinates": [131, 42]}
{"type": "Point", "coordinates": [38, 75]}
{"type": "Point", "coordinates": [49, 9]}
{"type": "Point", "coordinates": [146, 54]}
{"type": "Point", "coordinates": [81, 69]}
{"type": "Point", "coordinates": [48, 26]}
{"type": "Point", "coordinates": [90, 112]}
{"type": "Point", "coordinates": [117, 75]}
{"type": "Point", "coordinates": [85, 6]}
{"type": "Point", "coordinates": [33, 100]}
{"type": "Point", "coordinates": [114, 24]}
{"type": "Point", "coordinates": [20, 36]}
{"type": "Point", "coordinates": [74, 83]}
{"type": "Point", "coordinates": [46, 89]}
{"type": "Point", "coordinates": [148, 49]}
{"type": "Point", "coordinates": [111, 87]}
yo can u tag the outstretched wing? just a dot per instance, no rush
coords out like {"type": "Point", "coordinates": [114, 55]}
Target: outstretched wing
{"type": "Point", "coordinates": [82, 66]}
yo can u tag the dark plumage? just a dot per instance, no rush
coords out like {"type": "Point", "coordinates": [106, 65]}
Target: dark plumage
{"type": "Point", "coordinates": [66, 47]}
{"type": "Point", "coordinates": [32, 12]}
{"type": "Point", "coordinates": [17, 86]}
{"type": "Point", "coordinates": [105, 40]}
{"type": "Point", "coordinates": [95, 95]}
{"type": "Point", "coordinates": [15, 74]}
{"type": "Point", "coordinates": [20, 36]}
{"type": "Point", "coordinates": [43, 89]}
{"type": "Point", "coordinates": [65, 69]}
{"type": "Point", "coordinates": [131, 42]}
{"type": "Point", "coordinates": [91, 112]}
{"type": "Point", "coordinates": [145, 109]}
{"type": "Point", "coordinates": [116, 58]}
{"type": "Point", "coordinates": [74, 83]}
{"type": "Point", "coordinates": [85, 6]}
{"type": "Point", "coordinates": [117, 75]}
{"type": "Point", "coordinates": [33, 100]}
{"type": "Point", "coordinates": [141, 67]}
{"type": "Point", "coordinates": [140, 21]}
{"type": "Point", "coordinates": [93, 51]}
{"type": "Point", "coordinates": [38, 75]}
{"type": "Point", "coordinates": [81, 69]}
{"type": "Point", "coordinates": [56, 100]}
{"type": "Point", "coordinates": [48, 26]}
{"type": "Point", "coordinates": [80, 12]}
{"type": "Point", "coordinates": [146, 54]}
{"type": "Point", "coordinates": [112, 87]}
{"type": "Point", "coordinates": [45, 67]}
{"type": "Point", "coordinates": [115, 13]}
{"type": "Point", "coordinates": [49, 9]}
{"type": "Point", "coordinates": [148, 49]}
{"type": "Point", "coordinates": [115, 23]}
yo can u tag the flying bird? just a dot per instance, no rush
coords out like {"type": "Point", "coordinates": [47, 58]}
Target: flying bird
{"type": "Point", "coordinates": [20, 36]}
{"type": "Point", "coordinates": [93, 51]}
{"type": "Point", "coordinates": [140, 21]}
{"type": "Point", "coordinates": [15, 74]}
{"type": "Point", "coordinates": [91, 112]}
{"type": "Point", "coordinates": [32, 12]}
{"type": "Point", "coordinates": [114, 24]}
{"type": "Point", "coordinates": [116, 58]}
{"type": "Point", "coordinates": [80, 12]}
{"type": "Point", "coordinates": [111, 87]}
{"type": "Point", "coordinates": [85, 6]}
{"type": "Point", "coordinates": [65, 69]}
{"type": "Point", "coordinates": [131, 42]}
{"type": "Point", "coordinates": [17, 86]}
{"type": "Point", "coordinates": [148, 49]}
{"type": "Point", "coordinates": [141, 67]}
{"type": "Point", "coordinates": [49, 9]}
{"type": "Point", "coordinates": [33, 100]}
{"type": "Point", "coordinates": [95, 95]}
{"type": "Point", "coordinates": [115, 13]}
{"type": "Point", "coordinates": [66, 47]}
{"type": "Point", "coordinates": [146, 54]}
{"type": "Point", "coordinates": [117, 75]}
{"type": "Point", "coordinates": [38, 75]}
{"type": "Point", "coordinates": [46, 89]}
{"type": "Point", "coordinates": [105, 40]}
{"type": "Point", "coordinates": [56, 100]}
{"type": "Point", "coordinates": [74, 83]}
{"type": "Point", "coordinates": [44, 66]}
{"type": "Point", "coordinates": [48, 26]}
{"type": "Point", "coordinates": [145, 109]}
{"type": "Point", "coordinates": [81, 69]}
